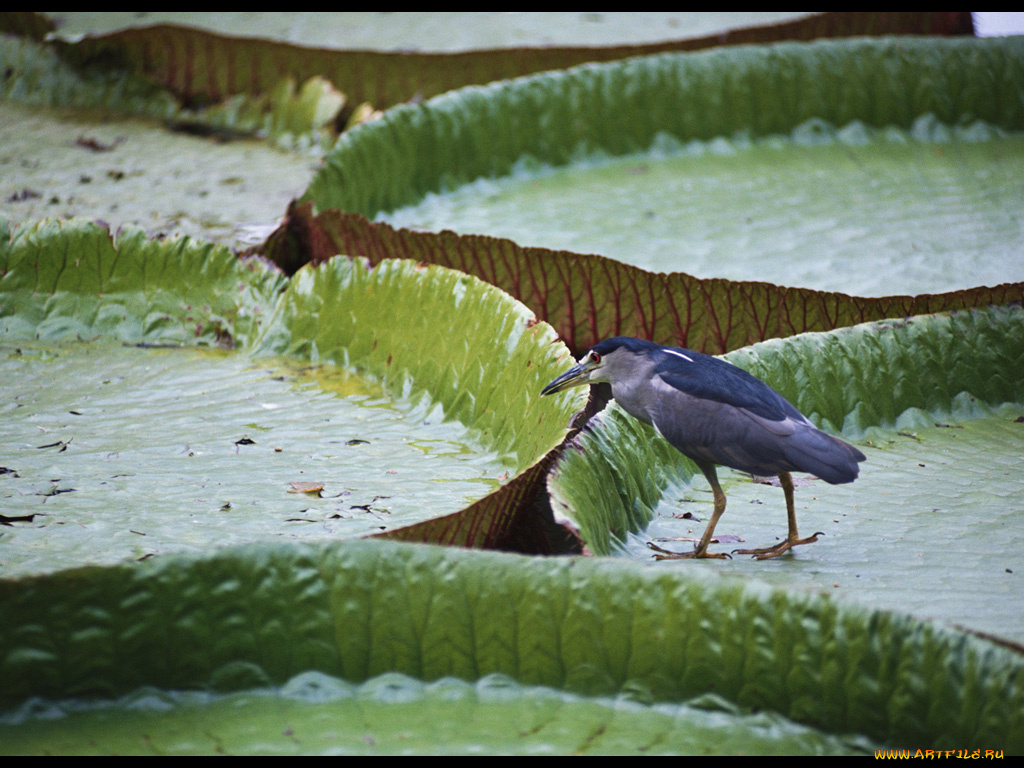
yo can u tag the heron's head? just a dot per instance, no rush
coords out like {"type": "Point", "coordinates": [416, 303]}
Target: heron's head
{"type": "Point", "coordinates": [611, 360]}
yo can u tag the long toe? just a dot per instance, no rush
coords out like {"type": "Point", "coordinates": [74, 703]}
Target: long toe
{"type": "Point", "coordinates": [665, 554]}
{"type": "Point", "coordinates": [766, 553]}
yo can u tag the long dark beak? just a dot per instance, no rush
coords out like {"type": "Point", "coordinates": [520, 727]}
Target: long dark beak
{"type": "Point", "coordinates": [574, 377]}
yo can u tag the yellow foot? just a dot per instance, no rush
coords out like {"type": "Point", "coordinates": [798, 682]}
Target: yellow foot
{"type": "Point", "coordinates": [665, 554]}
{"type": "Point", "coordinates": [765, 553]}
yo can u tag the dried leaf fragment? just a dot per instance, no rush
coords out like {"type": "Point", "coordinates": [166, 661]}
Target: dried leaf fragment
{"type": "Point", "coordinates": [306, 486]}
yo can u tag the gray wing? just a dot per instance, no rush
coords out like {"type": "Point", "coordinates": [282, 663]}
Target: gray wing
{"type": "Point", "coordinates": [721, 433]}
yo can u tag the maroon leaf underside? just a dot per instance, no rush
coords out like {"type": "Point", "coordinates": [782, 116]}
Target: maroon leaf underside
{"type": "Point", "coordinates": [515, 518]}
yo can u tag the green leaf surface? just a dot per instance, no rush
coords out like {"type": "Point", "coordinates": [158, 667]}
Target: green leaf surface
{"type": "Point", "coordinates": [118, 453]}
{"type": "Point", "coordinates": [395, 714]}
{"type": "Point", "coordinates": [259, 616]}
{"type": "Point", "coordinates": [72, 280]}
{"type": "Point", "coordinates": [36, 75]}
{"type": "Point", "coordinates": [936, 403]}
{"type": "Point", "coordinates": [408, 325]}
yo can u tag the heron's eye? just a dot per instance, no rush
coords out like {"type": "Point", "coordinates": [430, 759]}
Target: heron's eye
{"type": "Point", "coordinates": [595, 358]}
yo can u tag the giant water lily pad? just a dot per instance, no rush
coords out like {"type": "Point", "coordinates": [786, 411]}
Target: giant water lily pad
{"type": "Point", "coordinates": [260, 616]}
{"type": "Point", "coordinates": [122, 452]}
{"type": "Point", "coordinates": [209, 446]}
{"type": "Point", "coordinates": [318, 714]}
{"type": "Point", "coordinates": [127, 171]}
{"type": "Point", "coordinates": [864, 212]}
{"type": "Point", "coordinates": [87, 143]}
{"type": "Point", "coordinates": [623, 107]}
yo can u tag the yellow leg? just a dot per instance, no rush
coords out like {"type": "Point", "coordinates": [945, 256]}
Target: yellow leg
{"type": "Point", "coordinates": [793, 539]}
{"type": "Point", "coordinates": [701, 550]}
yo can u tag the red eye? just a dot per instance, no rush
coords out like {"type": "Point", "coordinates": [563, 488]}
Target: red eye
{"type": "Point", "coordinates": [595, 358]}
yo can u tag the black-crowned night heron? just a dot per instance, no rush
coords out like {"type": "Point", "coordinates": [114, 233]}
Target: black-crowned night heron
{"type": "Point", "coordinates": [715, 413]}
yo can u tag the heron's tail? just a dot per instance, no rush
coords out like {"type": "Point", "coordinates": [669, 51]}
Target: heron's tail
{"type": "Point", "coordinates": [833, 460]}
